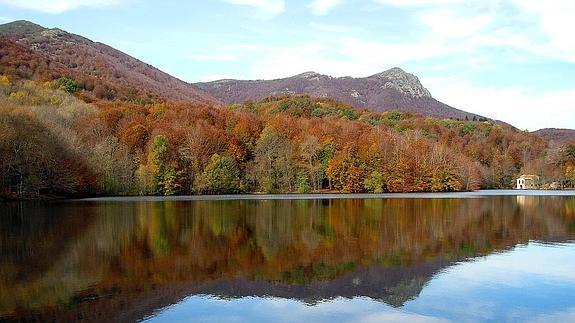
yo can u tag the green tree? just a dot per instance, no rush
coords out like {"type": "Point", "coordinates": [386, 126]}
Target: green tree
{"type": "Point", "coordinates": [326, 155]}
{"type": "Point", "coordinates": [157, 176]}
{"type": "Point", "coordinates": [466, 128]}
{"type": "Point", "coordinates": [168, 183]}
{"type": "Point", "coordinates": [66, 84]}
{"type": "Point", "coordinates": [302, 183]}
{"type": "Point", "coordinates": [221, 176]}
{"type": "Point", "coordinates": [374, 182]}
{"type": "Point", "coordinates": [570, 175]}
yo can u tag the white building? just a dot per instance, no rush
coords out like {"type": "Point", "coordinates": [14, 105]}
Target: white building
{"type": "Point", "coordinates": [528, 182]}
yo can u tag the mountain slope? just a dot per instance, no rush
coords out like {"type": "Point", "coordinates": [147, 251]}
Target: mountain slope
{"type": "Point", "coordinates": [32, 51]}
{"type": "Point", "coordinates": [559, 136]}
{"type": "Point", "coordinates": [393, 89]}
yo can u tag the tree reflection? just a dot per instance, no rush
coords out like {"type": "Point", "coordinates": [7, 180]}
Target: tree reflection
{"type": "Point", "coordinates": [111, 260]}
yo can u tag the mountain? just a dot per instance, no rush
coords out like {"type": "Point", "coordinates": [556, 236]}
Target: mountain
{"type": "Point", "coordinates": [393, 89]}
{"type": "Point", "coordinates": [559, 136]}
{"type": "Point", "coordinates": [30, 51]}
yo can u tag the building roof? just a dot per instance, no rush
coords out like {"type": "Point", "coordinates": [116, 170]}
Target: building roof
{"type": "Point", "coordinates": [531, 177]}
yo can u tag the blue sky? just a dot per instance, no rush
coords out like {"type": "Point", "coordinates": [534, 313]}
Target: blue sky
{"type": "Point", "coordinates": [510, 286]}
{"type": "Point", "coordinates": [512, 60]}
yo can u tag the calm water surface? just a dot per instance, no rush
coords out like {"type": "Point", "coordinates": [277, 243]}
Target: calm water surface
{"type": "Point", "coordinates": [479, 258]}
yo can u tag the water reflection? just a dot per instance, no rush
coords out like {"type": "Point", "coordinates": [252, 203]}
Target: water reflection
{"type": "Point", "coordinates": [126, 260]}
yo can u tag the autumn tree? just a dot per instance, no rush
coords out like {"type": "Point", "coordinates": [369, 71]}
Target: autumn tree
{"type": "Point", "coordinates": [374, 182]}
{"type": "Point", "coordinates": [311, 150]}
{"type": "Point", "coordinates": [221, 176]}
{"type": "Point", "coordinates": [346, 171]}
{"type": "Point", "coordinates": [273, 168]}
{"type": "Point", "coordinates": [202, 141]}
{"type": "Point", "coordinates": [157, 176]}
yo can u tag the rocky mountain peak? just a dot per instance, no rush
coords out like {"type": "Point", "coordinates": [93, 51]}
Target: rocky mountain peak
{"type": "Point", "coordinates": [308, 74]}
{"type": "Point", "coordinates": [391, 90]}
{"type": "Point", "coordinates": [312, 76]}
{"type": "Point", "coordinates": [404, 82]}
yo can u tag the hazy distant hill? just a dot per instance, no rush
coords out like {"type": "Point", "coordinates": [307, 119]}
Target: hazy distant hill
{"type": "Point", "coordinates": [31, 51]}
{"type": "Point", "coordinates": [393, 89]}
{"type": "Point", "coordinates": [560, 136]}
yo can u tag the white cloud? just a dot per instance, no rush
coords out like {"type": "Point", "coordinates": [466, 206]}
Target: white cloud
{"type": "Point", "coordinates": [323, 7]}
{"type": "Point", "coordinates": [514, 268]}
{"type": "Point", "coordinates": [376, 54]}
{"type": "Point", "coordinates": [555, 18]}
{"type": "Point", "coordinates": [525, 109]}
{"type": "Point", "coordinates": [337, 57]}
{"type": "Point", "coordinates": [214, 58]}
{"type": "Point", "coordinates": [399, 317]}
{"type": "Point", "coordinates": [6, 19]}
{"type": "Point", "coordinates": [353, 56]}
{"type": "Point", "coordinates": [417, 2]}
{"type": "Point", "coordinates": [493, 24]}
{"type": "Point", "coordinates": [58, 6]}
{"type": "Point", "coordinates": [275, 309]}
{"type": "Point", "coordinates": [559, 316]}
{"type": "Point", "coordinates": [473, 35]}
{"type": "Point", "coordinates": [446, 23]}
{"type": "Point", "coordinates": [270, 8]}
{"type": "Point", "coordinates": [333, 28]}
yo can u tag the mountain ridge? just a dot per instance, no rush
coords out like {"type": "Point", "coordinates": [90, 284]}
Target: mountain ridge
{"type": "Point", "coordinates": [393, 89]}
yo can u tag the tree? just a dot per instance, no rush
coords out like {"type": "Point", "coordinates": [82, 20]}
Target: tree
{"type": "Point", "coordinates": [503, 171]}
{"type": "Point", "coordinates": [346, 171]}
{"type": "Point", "coordinates": [114, 165]}
{"type": "Point", "coordinates": [221, 176]}
{"type": "Point", "coordinates": [66, 84]}
{"type": "Point", "coordinates": [374, 182]}
{"type": "Point", "coordinates": [274, 164]}
{"type": "Point", "coordinates": [157, 176]}
{"type": "Point", "coordinates": [570, 152]}
{"type": "Point", "coordinates": [52, 144]}
{"type": "Point", "coordinates": [202, 140]}
{"type": "Point", "coordinates": [302, 183]}
{"type": "Point", "coordinates": [326, 155]}
{"type": "Point", "coordinates": [310, 152]}
{"type": "Point", "coordinates": [4, 81]}
{"type": "Point", "coordinates": [570, 175]}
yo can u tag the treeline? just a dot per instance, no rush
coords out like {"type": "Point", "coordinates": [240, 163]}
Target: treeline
{"type": "Point", "coordinates": [52, 144]}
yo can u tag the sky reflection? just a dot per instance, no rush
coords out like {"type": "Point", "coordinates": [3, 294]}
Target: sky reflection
{"type": "Point", "coordinates": [534, 282]}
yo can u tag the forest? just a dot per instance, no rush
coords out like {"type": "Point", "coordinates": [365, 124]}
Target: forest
{"type": "Point", "coordinates": [55, 143]}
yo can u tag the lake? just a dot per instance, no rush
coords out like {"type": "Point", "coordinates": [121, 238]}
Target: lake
{"type": "Point", "coordinates": [487, 256]}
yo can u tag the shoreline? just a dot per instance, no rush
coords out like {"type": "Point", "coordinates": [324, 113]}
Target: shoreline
{"type": "Point", "coordinates": [326, 196]}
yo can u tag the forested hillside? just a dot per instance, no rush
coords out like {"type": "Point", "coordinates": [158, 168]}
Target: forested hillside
{"type": "Point", "coordinates": [55, 145]}
{"type": "Point", "coordinates": [558, 136]}
{"type": "Point", "coordinates": [94, 70]}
